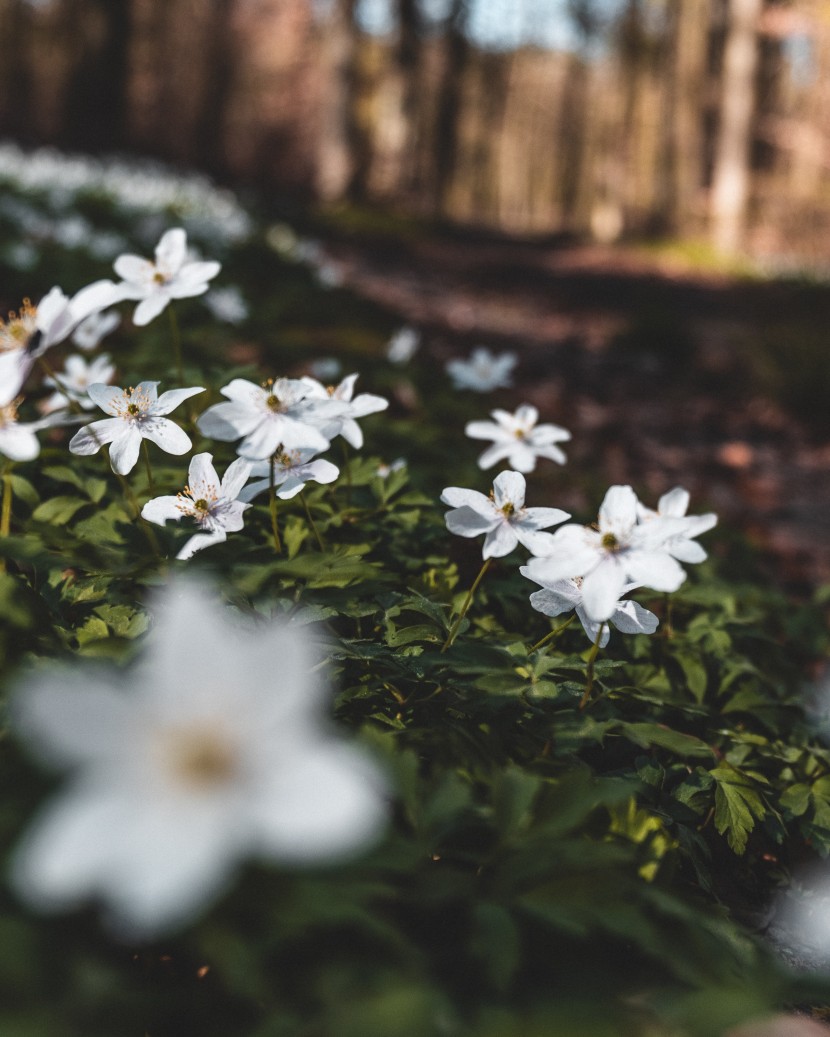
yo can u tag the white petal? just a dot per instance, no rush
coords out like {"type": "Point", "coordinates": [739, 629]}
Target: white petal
{"type": "Point", "coordinates": [499, 541]}
{"type": "Point", "coordinates": [148, 309]}
{"type": "Point", "coordinates": [675, 503]}
{"type": "Point", "coordinates": [592, 628]}
{"type": "Point", "coordinates": [509, 488]}
{"type": "Point", "coordinates": [200, 541]}
{"type": "Point", "coordinates": [553, 603]}
{"type": "Point", "coordinates": [329, 803]}
{"type": "Point", "coordinates": [483, 430]}
{"type": "Point", "coordinates": [686, 551]}
{"type": "Point", "coordinates": [160, 509]}
{"type": "Point", "coordinates": [631, 618]}
{"type": "Point", "coordinates": [172, 398]}
{"type": "Point", "coordinates": [237, 474]}
{"type": "Point", "coordinates": [92, 437]}
{"type": "Point", "coordinates": [18, 443]}
{"type": "Point", "coordinates": [541, 518]}
{"type": "Point", "coordinates": [469, 523]}
{"type": "Point", "coordinates": [167, 435]}
{"type": "Point", "coordinates": [493, 454]}
{"type": "Point", "coordinates": [124, 448]}
{"type": "Point", "coordinates": [134, 269]}
{"type": "Point", "coordinates": [618, 511]}
{"type": "Point", "coordinates": [602, 588]}
{"type": "Point", "coordinates": [654, 569]}
{"type": "Point", "coordinates": [228, 421]}
{"type": "Point", "coordinates": [458, 496]}
{"type": "Point", "coordinates": [108, 397]}
{"type": "Point", "coordinates": [171, 250]}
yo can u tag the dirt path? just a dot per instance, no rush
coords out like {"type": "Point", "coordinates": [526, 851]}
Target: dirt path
{"type": "Point", "coordinates": [644, 361]}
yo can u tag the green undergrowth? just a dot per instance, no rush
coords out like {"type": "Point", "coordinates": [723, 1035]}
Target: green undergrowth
{"type": "Point", "coordinates": [556, 864]}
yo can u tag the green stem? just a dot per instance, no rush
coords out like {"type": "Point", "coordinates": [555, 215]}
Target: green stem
{"type": "Point", "coordinates": [347, 468]}
{"type": "Point", "coordinates": [467, 602]}
{"type": "Point", "coordinates": [150, 484]}
{"type": "Point", "coordinates": [589, 672]}
{"type": "Point", "coordinates": [552, 634]}
{"type": "Point", "coordinates": [49, 371]}
{"type": "Point", "coordinates": [6, 513]}
{"type": "Point", "coordinates": [273, 507]}
{"type": "Point", "coordinates": [129, 496]}
{"type": "Point", "coordinates": [311, 522]}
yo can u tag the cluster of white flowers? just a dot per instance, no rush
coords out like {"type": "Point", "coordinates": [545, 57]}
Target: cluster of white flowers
{"type": "Point", "coordinates": [483, 371]}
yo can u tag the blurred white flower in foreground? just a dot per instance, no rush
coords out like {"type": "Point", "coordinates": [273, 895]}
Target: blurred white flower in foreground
{"type": "Point", "coordinates": [213, 504]}
{"type": "Point", "coordinates": [675, 504]}
{"type": "Point", "coordinates": [72, 383]}
{"type": "Point", "coordinates": [292, 470]}
{"type": "Point", "coordinates": [137, 414]}
{"type": "Point", "coordinates": [403, 345]}
{"type": "Point", "coordinates": [616, 552]}
{"type": "Point", "coordinates": [215, 748]}
{"type": "Point", "coordinates": [170, 277]}
{"type": "Point", "coordinates": [563, 595]}
{"type": "Point", "coordinates": [518, 439]}
{"type": "Point", "coordinates": [502, 516]}
{"type": "Point", "coordinates": [18, 441]}
{"type": "Point", "coordinates": [483, 372]}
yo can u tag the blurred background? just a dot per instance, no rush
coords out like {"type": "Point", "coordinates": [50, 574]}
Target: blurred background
{"type": "Point", "coordinates": [694, 119]}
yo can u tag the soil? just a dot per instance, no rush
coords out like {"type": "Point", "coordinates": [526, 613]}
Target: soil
{"type": "Point", "coordinates": [644, 359]}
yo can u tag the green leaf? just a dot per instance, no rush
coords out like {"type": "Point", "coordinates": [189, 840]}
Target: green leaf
{"type": "Point", "coordinates": [737, 806]}
{"type": "Point", "coordinates": [648, 735]}
{"type": "Point", "coordinates": [58, 510]}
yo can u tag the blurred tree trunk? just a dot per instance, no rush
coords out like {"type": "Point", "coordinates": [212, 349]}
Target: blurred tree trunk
{"type": "Point", "coordinates": [345, 152]}
{"type": "Point", "coordinates": [96, 98]}
{"type": "Point", "coordinates": [209, 137]}
{"type": "Point", "coordinates": [408, 59]}
{"type": "Point", "coordinates": [450, 105]}
{"type": "Point", "coordinates": [692, 20]}
{"type": "Point", "coordinates": [731, 174]}
{"type": "Point", "coordinates": [16, 117]}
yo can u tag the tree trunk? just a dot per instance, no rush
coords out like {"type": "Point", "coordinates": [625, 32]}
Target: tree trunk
{"type": "Point", "coordinates": [449, 112]}
{"type": "Point", "coordinates": [731, 175]}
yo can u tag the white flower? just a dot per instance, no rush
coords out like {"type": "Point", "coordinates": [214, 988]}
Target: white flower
{"type": "Point", "coordinates": [563, 595]}
{"type": "Point", "coordinates": [215, 506]}
{"type": "Point", "coordinates": [618, 552]}
{"type": "Point", "coordinates": [403, 345]}
{"type": "Point", "coordinates": [343, 423]}
{"type": "Point", "coordinates": [94, 328]}
{"type": "Point", "coordinates": [292, 470]}
{"type": "Point", "coordinates": [502, 516]}
{"type": "Point", "coordinates": [28, 334]}
{"type": "Point", "coordinates": [483, 372]}
{"type": "Point", "coordinates": [169, 277]}
{"type": "Point", "coordinates": [518, 439]}
{"type": "Point", "coordinates": [385, 470]}
{"type": "Point", "coordinates": [269, 417]}
{"type": "Point", "coordinates": [137, 414]}
{"type": "Point", "coordinates": [73, 382]}
{"type": "Point", "coordinates": [675, 504]}
{"type": "Point", "coordinates": [215, 748]}
{"type": "Point", "coordinates": [18, 441]}
{"type": "Point", "coordinates": [227, 304]}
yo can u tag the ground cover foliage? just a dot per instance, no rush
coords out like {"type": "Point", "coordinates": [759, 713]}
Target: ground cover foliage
{"type": "Point", "coordinates": [550, 865]}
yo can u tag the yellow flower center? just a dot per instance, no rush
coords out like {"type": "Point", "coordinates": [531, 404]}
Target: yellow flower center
{"type": "Point", "coordinates": [8, 414]}
{"type": "Point", "coordinates": [610, 542]}
{"type": "Point", "coordinates": [202, 759]}
{"type": "Point", "coordinates": [16, 332]}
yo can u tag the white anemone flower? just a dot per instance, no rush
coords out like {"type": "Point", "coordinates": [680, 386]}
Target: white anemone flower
{"type": "Point", "coordinates": [675, 504]}
{"type": "Point", "coordinates": [212, 503]}
{"type": "Point", "coordinates": [613, 555]}
{"type": "Point", "coordinates": [170, 277]}
{"type": "Point", "coordinates": [292, 470]}
{"type": "Point", "coordinates": [26, 335]}
{"type": "Point", "coordinates": [137, 413]}
{"type": "Point", "coordinates": [502, 516]}
{"type": "Point", "coordinates": [18, 441]}
{"type": "Point", "coordinates": [216, 747]}
{"type": "Point", "coordinates": [518, 439]}
{"type": "Point", "coordinates": [94, 328]}
{"type": "Point", "coordinates": [560, 596]}
{"type": "Point", "coordinates": [403, 345]}
{"type": "Point", "coordinates": [344, 424]}
{"type": "Point", "coordinates": [73, 382]}
{"type": "Point", "coordinates": [269, 417]}
{"type": "Point", "coordinates": [483, 372]}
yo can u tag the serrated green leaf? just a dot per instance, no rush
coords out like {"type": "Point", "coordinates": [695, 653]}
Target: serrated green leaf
{"type": "Point", "coordinates": [648, 735]}
{"type": "Point", "coordinates": [58, 509]}
{"type": "Point", "coordinates": [737, 806]}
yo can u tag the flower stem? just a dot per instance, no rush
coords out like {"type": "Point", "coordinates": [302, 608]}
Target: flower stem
{"type": "Point", "coordinates": [467, 602]}
{"type": "Point", "coordinates": [6, 513]}
{"type": "Point", "coordinates": [273, 507]}
{"type": "Point", "coordinates": [150, 484]}
{"type": "Point", "coordinates": [589, 672]}
{"type": "Point", "coordinates": [552, 634]}
{"type": "Point", "coordinates": [347, 469]}
{"type": "Point", "coordinates": [311, 522]}
{"type": "Point", "coordinates": [129, 496]}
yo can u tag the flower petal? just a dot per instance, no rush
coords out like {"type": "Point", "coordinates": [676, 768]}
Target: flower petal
{"type": "Point", "coordinates": [602, 589]}
{"type": "Point", "coordinates": [148, 309]}
{"type": "Point", "coordinates": [172, 398]}
{"type": "Point", "coordinates": [92, 437]}
{"type": "Point", "coordinates": [124, 448]}
{"type": "Point", "coordinates": [499, 541]}
{"type": "Point", "coordinates": [167, 435]}
{"type": "Point", "coordinates": [160, 509]}
{"type": "Point", "coordinates": [509, 488]}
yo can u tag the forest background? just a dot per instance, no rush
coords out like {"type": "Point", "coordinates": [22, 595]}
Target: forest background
{"type": "Point", "coordinates": [698, 119]}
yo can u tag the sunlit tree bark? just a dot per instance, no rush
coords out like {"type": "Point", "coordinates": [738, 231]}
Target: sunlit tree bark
{"type": "Point", "coordinates": [731, 174]}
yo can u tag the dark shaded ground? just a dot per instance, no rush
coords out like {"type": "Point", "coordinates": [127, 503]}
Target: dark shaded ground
{"type": "Point", "coordinates": [664, 374]}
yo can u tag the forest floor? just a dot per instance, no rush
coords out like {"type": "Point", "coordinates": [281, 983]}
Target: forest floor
{"type": "Point", "coordinates": [664, 373]}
